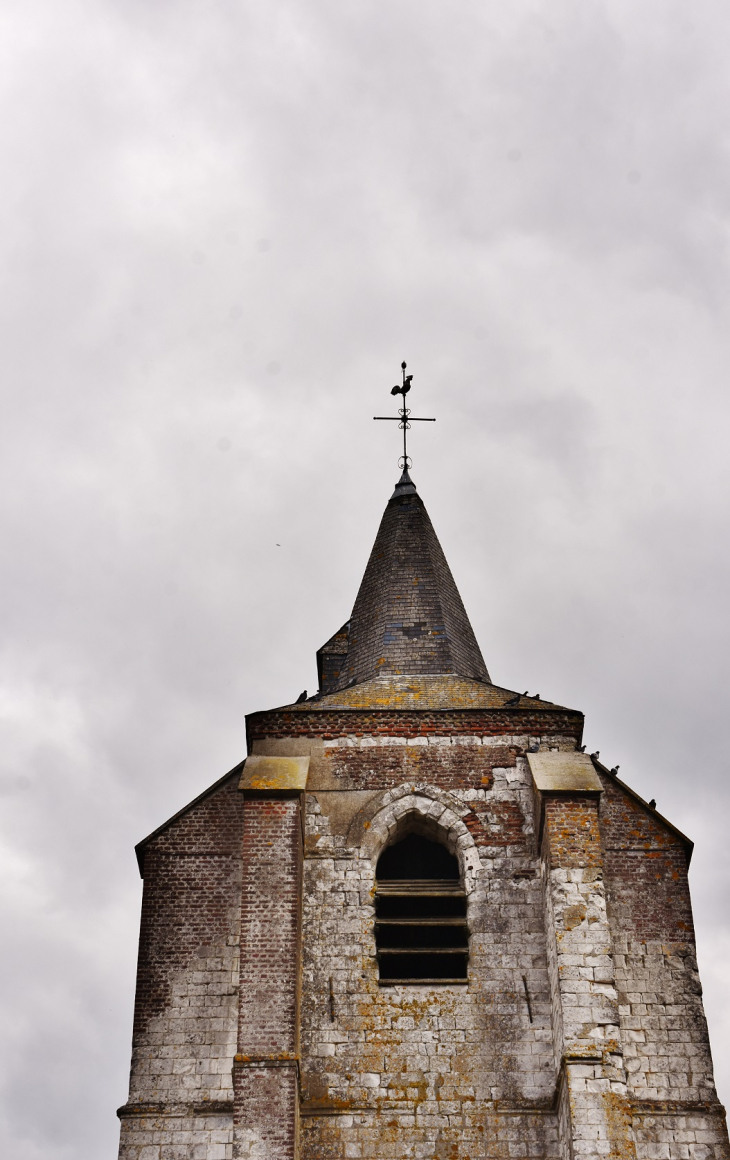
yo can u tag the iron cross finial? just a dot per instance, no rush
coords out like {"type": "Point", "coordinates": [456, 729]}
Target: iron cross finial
{"type": "Point", "coordinates": [404, 417]}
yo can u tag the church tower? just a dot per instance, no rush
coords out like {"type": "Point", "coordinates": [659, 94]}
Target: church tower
{"type": "Point", "coordinates": [418, 922]}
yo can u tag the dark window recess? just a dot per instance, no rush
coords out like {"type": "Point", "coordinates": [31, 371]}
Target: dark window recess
{"type": "Point", "coordinates": [421, 935]}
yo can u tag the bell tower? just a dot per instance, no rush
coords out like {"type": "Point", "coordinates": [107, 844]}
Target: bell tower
{"type": "Point", "coordinates": [417, 920]}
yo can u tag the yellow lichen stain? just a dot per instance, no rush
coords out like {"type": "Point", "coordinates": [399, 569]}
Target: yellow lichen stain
{"type": "Point", "coordinates": [281, 1056]}
{"type": "Point", "coordinates": [327, 1103]}
{"type": "Point", "coordinates": [396, 690]}
{"type": "Point", "coordinates": [387, 1017]}
{"type": "Point", "coordinates": [618, 1121]}
{"type": "Point", "coordinates": [574, 915]}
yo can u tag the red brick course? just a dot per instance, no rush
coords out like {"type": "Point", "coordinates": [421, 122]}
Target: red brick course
{"type": "Point", "coordinates": [270, 927]}
{"type": "Point", "coordinates": [266, 1095]}
{"type": "Point", "coordinates": [411, 723]}
{"type": "Point", "coordinates": [446, 766]}
{"type": "Point", "coordinates": [646, 870]}
{"type": "Point", "coordinates": [264, 1123]}
{"type": "Point", "coordinates": [496, 824]}
{"type": "Point", "coordinates": [571, 827]}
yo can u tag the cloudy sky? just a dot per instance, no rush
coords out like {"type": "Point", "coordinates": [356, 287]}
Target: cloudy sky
{"type": "Point", "coordinates": [224, 225]}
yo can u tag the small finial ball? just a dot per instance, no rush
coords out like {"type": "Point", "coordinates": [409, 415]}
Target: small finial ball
{"type": "Point", "coordinates": [403, 366]}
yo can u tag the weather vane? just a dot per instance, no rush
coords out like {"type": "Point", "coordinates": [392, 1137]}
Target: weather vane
{"type": "Point", "coordinates": [404, 418]}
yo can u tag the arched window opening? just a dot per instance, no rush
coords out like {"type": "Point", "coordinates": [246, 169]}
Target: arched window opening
{"type": "Point", "coordinates": [420, 914]}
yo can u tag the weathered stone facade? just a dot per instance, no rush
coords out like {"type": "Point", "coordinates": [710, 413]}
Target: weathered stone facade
{"type": "Point", "coordinates": [263, 1028]}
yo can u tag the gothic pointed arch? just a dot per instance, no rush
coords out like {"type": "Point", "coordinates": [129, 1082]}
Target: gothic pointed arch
{"type": "Point", "coordinates": [418, 808]}
{"type": "Point", "coordinates": [425, 864]}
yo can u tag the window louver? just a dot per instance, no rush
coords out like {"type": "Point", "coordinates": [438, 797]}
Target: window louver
{"type": "Point", "coordinates": [421, 931]}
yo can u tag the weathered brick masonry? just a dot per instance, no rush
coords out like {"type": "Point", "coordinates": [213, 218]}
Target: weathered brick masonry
{"type": "Point", "coordinates": [186, 1010]}
{"type": "Point", "coordinates": [663, 1028]}
{"type": "Point", "coordinates": [414, 1071]}
{"type": "Point", "coordinates": [265, 1069]}
{"type": "Point", "coordinates": [263, 1027]}
{"type": "Point", "coordinates": [412, 723]}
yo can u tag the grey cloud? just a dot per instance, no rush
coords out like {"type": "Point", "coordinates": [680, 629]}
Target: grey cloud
{"type": "Point", "coordinates": [564, 321]}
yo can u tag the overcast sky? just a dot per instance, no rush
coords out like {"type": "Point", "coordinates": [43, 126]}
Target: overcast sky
{"type": "Point", "coordinates": [224, 226]}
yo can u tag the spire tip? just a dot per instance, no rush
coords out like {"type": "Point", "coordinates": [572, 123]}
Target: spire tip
{"type": "Point", "coordinates": [405, 485]}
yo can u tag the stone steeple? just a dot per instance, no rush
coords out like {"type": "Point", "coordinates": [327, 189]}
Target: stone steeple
{"type": "Point", "coordinates": [418, 920]}
{"type": "Point", "coordinates": [408, 616]}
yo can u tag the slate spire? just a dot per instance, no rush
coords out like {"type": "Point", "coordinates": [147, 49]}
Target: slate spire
{"type": "Point", "coordinates": [408, 616]}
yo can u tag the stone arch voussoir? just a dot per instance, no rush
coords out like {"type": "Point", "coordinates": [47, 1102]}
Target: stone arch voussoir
{"type": "Point", "coordinates": [421, 809]}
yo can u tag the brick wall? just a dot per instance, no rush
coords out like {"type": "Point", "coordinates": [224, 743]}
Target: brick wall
{"type": "Point", "coordinates": [266, 1117]}
{"type": "Point", "coordinates": [466, 765]}
{"type": "Point", "coordinates": [393, 723]}
{"type": "Point", "coordinates": [572, 833]}
{"type": "Point", "coordinates": [270, 927]}
{"type": "Point", "coordinates": [594, 1115]}
{"type": "Point", "coordinates": [646, 867]}
{"type": "Point", "coordinates": [186, 1008]}
{"type": "Point", "coordinates": [265, 1068]}
{"type": "Point", "coordinates": [411, 1071]}
{"type": "Point", "coordinates": [586, 949]}
{"type": "Point", "coordinates": [663, 1027]}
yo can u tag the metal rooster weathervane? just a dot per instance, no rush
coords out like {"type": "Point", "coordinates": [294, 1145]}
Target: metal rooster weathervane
{"type": "Point", "coordinates": [404, 418]}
